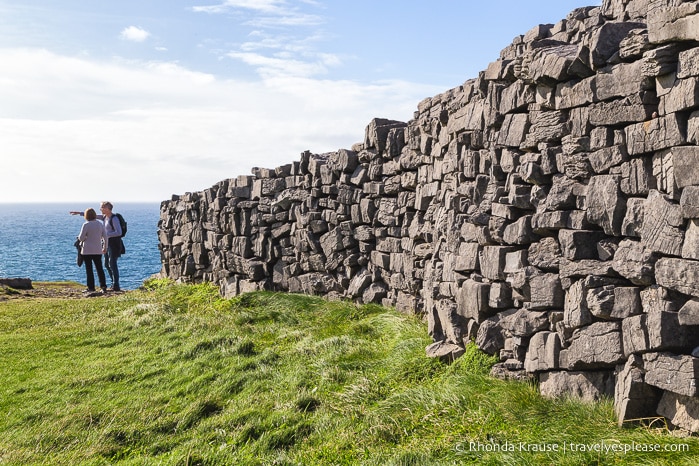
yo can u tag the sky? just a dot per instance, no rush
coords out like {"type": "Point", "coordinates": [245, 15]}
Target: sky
{"type": "Point", "coordinates": [139, 100]}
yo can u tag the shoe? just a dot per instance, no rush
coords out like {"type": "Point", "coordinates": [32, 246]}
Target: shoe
{"type": "Point", "coordinates": [104, 290]}
{"type": "Point", "coordinates": [115, 289]}
{"type": "Point", "coordinates": [88, 291]}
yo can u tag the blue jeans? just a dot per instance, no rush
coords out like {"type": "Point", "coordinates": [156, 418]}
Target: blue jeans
{"type": "Point", "coordinates": [110, 263]}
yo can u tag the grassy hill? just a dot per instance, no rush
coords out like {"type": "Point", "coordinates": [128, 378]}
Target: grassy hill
{"type": "Point", "coordinates": [174, 375]}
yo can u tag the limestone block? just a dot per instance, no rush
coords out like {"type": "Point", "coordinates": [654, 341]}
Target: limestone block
{"type": "Point", "coordinates": [660, 230]}
{"type": "Point", "coordinates": [596, 346]}
{"type": "Point", "coordinates": [451, 321]}
{"type": "Point", "coordinates": [520, 281]}
{"type": "Point", "coordinates": [576, 166]}
{"type": "Point", "coordinates": [637, 176]}
{"type": "Point", "coordinates": [467, 257]}
{"type": "Point", "coordinates": [546, 292]}
{"type": "Point", "coordinates": [520, 196]}
{"type": "Point", "coordinates": [514, 129]}
{"type": "Point", "coordinates": [654, 135]}
{"type": "Point", "coordinates": [689, 313]}
{"type": "Point", "coordinates": [636, 41]}
{"type": "Point", "coordinates": [541, 222]}
{"type": "Point", "coordinates": [685, 161]}
{"type": "Point", "coordinates": [689, 202]}
{"type": "Point", "coordinates": [688, 63]}
{"type": "Point", "coordinates": [603, 159]}
{"type": "Point", "coordinates": [690, 246]}
{"type": "Point", "coordinates": [682, 411]}
{"type": "Point", "coordinates": [635, 262]}
{"type": "Point", "coordinates": [546, 64]}
{"type": "Point", "coordinates": [376, 133]}
{"type": "Point", "coordinates": [630, 109]}
{"type": "Point", "coordinates": [672, 372]}
{"type": "Point", "coordinates": [424, 195]}
{"type": "Point", "coordinates": [678, 274]}
{"type": "Point", "coordinates": [674, 22]}
{"type": "Point", "coordinates": [543, 353]}
{"type": "Point", "coordinates": [683, 95]}
{"type": "Point", "coordinates": [519, 232]}
{"type": "Point", "coordinates": [633, 398]}
{"type": "Point", "coordinates": [575, 94]}
{"type": "Point", "coordinates": [515, 96]}
{"type": "Point", "coordinates": [343, 160]}
{"type": "Point", "coordinates": [547, 126]}
{"type": "Point", "coordinates": [491, 334]}
{"type": "Point", "coordinates": [660, 61]}
{"type": "Point", "coordinates": [500, 296]}
{"type": "Point", "coordinates": [627, 302]}
{"type": "Point", "coordinates": [492, 260]}
{"type": "Point", "coordinates": [406, 303]}
{"type": "Point", "coordinates": [575, 311]}
{"type": "Point", "coordinates": [359, 283]}
{"type": "Point", "coordinates": [584, 267]}
{"type": "Point", "coordinates": [515, 261]}
{"type": "Point", "coordinates": [585, 386]}
{"type": "Point", "coordinates": [635, 334]}
{"type": "Point", "coordinates": [606, 206]}
{"type": "Point", "coordinates": [545, 254]}
{"type": "Point", "coordinates": [562, 193]}
{"type": "Point", "coordinates": [472, 301]}
{"type": "Point", "coordinates": [621, 80]}
{"type": "Point", "coordinates": [525, 323]}
{"type": "Point", "coordinates": [605, 41]}
{"type": "Point", "coordinates": [664, 172]}
{"type": "Point", "coordinates": [579, 244]}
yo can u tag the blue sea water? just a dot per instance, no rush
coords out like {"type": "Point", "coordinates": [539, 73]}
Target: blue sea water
{"type": "Point", "coordinates": [36, 241]}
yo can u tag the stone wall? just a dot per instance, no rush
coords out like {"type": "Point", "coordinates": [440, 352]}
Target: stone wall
{"type": "Point", "coordinates": [547, 210]}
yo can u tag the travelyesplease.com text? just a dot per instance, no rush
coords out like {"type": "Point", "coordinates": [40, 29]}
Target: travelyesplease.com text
{"type": "Point", "coordinates": [573, 447]}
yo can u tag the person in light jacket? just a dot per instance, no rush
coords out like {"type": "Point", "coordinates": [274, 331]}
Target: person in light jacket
{"type": "Point", "coordinates": [114, 244]}
{"type": "Point", "coordinates": [93, 238]}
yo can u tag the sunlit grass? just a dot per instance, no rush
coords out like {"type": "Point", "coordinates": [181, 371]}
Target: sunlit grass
{"type": "Point", "coordinates": [176, 375]}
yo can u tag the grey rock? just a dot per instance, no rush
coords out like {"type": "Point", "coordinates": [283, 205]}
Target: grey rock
{"type": "Point", "coordinates": [633, 398]}
{"type": "Point", "coordinates": [678, 274]}
{"type": "Point", "coordinates": [689, 202]}
{"type": "Point", "coordinates": [447, 352]}
{"type": "Point", "coordinates": [597, 346]}
{"type": "Point", "coordinates": [656, 134]}
{"type": "Point", "coordinates": [585, 386]}
{"type": "Point", "coordinates": [543, 352]}
{"type": "Point", "coordinates": [606, 206]}
{"type": "Point", "coordinates": [682, 411]}
{"type": "Point", "coordinates": [672, 372]}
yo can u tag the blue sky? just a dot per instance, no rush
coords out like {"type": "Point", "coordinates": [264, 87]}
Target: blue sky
{"type": "Point", "coordinates": [136, 100]}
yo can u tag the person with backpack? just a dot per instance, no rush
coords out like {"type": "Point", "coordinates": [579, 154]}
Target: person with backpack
{"type": "Point", "coordinates": [115, 226]}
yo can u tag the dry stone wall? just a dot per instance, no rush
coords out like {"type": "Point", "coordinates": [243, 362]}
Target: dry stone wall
{"type": "Point", "coordinates": [547, 209]}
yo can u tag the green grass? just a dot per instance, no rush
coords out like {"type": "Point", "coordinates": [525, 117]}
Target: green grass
{"type": "Point", "coordinates": [177, 376]}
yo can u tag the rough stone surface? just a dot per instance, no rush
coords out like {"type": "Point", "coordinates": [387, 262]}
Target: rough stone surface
{"type": "Point", "coordinates": [547, 209]}
{"type": "Point", "coordinates": [587, 386]}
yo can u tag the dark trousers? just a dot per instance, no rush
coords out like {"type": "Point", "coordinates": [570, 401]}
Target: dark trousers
{"type": "Point", "coordinates": [110, 262]}
{"type": "Point", "coordinates": [95, 259]}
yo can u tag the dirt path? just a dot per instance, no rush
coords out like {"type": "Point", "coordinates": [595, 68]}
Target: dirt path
{"type": "Point", "coordinates": [47, 290]}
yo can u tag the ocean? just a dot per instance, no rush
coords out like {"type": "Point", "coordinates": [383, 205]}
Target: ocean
{"type": "Point", "coordinates": [36, 241]}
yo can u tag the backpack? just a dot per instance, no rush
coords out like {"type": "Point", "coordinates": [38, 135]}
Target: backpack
{"type": "Point", "coordinates": [122, 222]}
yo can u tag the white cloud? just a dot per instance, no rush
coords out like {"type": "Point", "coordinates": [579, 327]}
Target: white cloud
{"type": "Point", "coordinates": [134, 34]}
{"type": "Point", "coordinates": [161, 129]}
{"type": "Point", "coordinates": [266, 13]}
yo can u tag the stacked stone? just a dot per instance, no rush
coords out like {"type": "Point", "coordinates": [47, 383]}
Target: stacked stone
{"type": "Point", "coordinates": [547, 210]}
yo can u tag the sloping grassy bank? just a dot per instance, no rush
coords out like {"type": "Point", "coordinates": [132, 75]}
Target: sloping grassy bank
{"type": "Point", "coordinates": [176, 375]}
